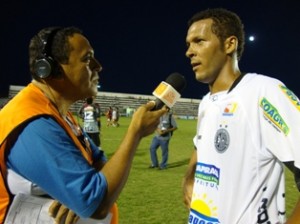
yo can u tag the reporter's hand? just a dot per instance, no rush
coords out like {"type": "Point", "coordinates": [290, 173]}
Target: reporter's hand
{"type": "Point", "coordinates": [145, 121]}
{"type": "Point", "coordinates": [61, 214]}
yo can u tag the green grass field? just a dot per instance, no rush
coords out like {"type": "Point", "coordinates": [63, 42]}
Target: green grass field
{"type": "Point", "coordinates": [155, 196]}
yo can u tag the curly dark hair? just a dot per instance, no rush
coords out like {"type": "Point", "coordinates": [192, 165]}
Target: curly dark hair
{"type": "Point", "coordinates": [52, 42]}
{"type": "Point", "coordinates": [225, 24]}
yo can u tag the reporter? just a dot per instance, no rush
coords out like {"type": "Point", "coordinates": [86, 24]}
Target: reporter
{"type": "Point", "coordinates": [42, 142]}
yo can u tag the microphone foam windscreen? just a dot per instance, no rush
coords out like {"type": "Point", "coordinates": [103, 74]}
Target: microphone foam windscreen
{"type": "Point", "coordinates": [177, 81]}
{"type": "Point", "coordinates": [169, 91]}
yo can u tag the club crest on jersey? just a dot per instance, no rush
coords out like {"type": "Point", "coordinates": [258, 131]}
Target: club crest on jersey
{"type": "Point", "coordinates": [272, 115]}
{"type": "Point", "coordinates": [222, 140]}
{"type": "Point", "coordinates": [291, 96]}
{"type": "Point", "coordinates": [230, 109]}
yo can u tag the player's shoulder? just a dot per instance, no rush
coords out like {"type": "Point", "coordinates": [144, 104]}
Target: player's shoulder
{"type": "Point", "coordinates": [258, 81]}
{"type": "Point", "coordinates": [261, 78]}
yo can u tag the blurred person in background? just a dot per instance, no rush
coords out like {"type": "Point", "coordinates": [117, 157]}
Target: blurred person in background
{"type": "Point", "coordinates": [115, 117]}
{"type": "Point", "coordinates": [164, 132]}
{"type": "Point", "coordinates": [108, 115]}
{"type": "Point", "coordinates": [91, 114]}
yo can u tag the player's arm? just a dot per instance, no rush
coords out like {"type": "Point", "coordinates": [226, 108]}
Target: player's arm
{"type": "Point", "coordinates": [297, 177]}
{"type": "Point", "coordinates": [295, 171]}
{"type": "Point", "coordinates": [188, 181]}
{"type": "Point", "coordinates": [295, 216]}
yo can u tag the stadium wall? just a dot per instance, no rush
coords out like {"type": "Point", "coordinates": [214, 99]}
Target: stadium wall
{"type": "Point", "coordinates": [185, 108]}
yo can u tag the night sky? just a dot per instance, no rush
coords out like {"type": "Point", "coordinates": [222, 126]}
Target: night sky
{"type": "Point", "coordinates": [139, 43]}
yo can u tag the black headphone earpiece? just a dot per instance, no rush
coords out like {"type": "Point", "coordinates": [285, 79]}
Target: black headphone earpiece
{"type": "Point", "coordinates": [45, 66]}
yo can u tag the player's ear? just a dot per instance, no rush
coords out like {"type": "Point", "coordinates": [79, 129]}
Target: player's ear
{"type": "Point", "coordinates": [231, 44]}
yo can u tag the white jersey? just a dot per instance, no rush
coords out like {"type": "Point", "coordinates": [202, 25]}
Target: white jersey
{"type": "Point", "coordinates": [90, 123]}
{"type": "Point", "coordinates": [114, 115]}
{"type": "Point", "coordinates": [243, 136]}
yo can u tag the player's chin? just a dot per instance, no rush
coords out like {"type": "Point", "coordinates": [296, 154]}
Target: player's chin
{"type": "Point", "coordinates": [94, 89]}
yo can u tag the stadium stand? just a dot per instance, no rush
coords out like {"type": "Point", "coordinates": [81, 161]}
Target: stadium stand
{"type": "Point", "coordinates": [185, 108]}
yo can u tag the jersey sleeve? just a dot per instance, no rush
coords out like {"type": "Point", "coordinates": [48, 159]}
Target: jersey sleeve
{"type": "Point", "coordinates": [45, 155]}
{"type": "Point", "coordinates": [279, 110]}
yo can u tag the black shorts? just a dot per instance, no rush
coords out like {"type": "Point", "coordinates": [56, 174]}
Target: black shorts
{"type": "Point", "coordinates": [95, 137]}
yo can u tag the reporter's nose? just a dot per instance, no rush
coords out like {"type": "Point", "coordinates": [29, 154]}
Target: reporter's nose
{"type": "Point", "coordinates": [96, 65]}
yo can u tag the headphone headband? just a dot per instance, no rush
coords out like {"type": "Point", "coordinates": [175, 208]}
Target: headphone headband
{"type": "Point", "coordinates": [47, 40]}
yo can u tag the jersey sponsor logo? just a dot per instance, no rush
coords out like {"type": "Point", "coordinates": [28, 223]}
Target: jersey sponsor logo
{"type": "Point", "coordinates": [230, 109]}
{"type": "Point", "coordinates": [222, 140]}
{"type": "Point", "coordinates": [272, 114]}
{"type": "Point", "coordinates": [291, 96]}
{"type": "Point", "coordinates": [203, 211]}
{"type": "Point", "coordinates": [207, 173]}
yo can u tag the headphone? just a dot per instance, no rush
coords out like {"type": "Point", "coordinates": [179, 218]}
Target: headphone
{"type": "Point", "coordinates": [45, 66]}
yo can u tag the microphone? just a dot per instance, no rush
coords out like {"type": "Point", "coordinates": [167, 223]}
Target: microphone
{"type": "Point", "coordinates": [169, 91]}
